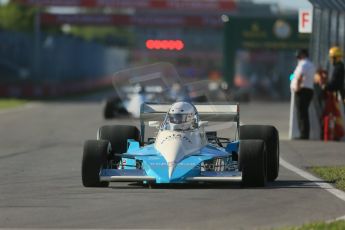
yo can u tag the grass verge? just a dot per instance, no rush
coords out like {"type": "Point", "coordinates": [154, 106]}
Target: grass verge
{"type": "Point", "coordinates": [335, 225]}
{"type": "Point", "coordinates": [11, 103]}
{"type": "Point", "coordinates": [333, 174]}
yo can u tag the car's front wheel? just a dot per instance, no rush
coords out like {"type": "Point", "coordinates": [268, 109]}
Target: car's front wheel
{"type": "Point", "coordinates": [94, 159]}
{"type": "Point", "coordinates": [252, 159]}
{"type": "Point", "coordinates": [118, 136]}
{"type": "Point", "coordinates": [269, 134]}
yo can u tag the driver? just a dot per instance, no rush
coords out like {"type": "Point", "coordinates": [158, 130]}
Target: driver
{"type": "Point", "coordinates": [182, 116]}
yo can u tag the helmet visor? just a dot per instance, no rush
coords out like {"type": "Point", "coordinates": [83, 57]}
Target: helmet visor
{"type": "Point", "coordinates": [178, 118]}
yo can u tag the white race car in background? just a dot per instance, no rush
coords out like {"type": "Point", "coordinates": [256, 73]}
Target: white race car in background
{"type": "Point", "coordinates": [132, 97]}
{"type": "Point", "coordinates": [160, 83]}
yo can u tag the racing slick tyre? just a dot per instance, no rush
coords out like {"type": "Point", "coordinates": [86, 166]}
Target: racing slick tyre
{"type": "Point", "coordinates": [118, 135]}
{"type": "Point", "coordinates": [94, 158]}
{"type": "Point", "coordinates": [271, 137]}
{"type": "Point", "coordinates": [109, 109]}
{"type": "Point", "coordinates": [253, 163]}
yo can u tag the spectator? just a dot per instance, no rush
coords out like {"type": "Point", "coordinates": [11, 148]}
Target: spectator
{"type": "Point", "coordinates": [333, 90]}
{"type": "Point", "coordinates": [336, 83]}
{"type": "Point", "coordinates": [302, 85]}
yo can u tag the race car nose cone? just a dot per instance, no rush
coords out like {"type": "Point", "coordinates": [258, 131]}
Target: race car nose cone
{"type": "Point", "coordinates": [171, 167]}
{"type": "Point", "coordinates": [175, 146]}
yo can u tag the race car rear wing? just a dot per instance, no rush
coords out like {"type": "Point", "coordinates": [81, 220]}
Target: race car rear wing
{"type": "Point", "coordinates": [207, 112]}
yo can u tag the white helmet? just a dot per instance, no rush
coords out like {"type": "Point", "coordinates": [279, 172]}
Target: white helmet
{"type": "Point", "coordinates": [182, 116]}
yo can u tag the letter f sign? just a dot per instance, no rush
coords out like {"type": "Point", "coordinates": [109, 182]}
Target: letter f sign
{"type": "Point", "coordinates": [305, 21]}
{"type": "Point", "coordinates": [305, 18]}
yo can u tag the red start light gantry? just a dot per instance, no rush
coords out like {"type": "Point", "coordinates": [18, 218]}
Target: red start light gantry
{"type": "Point", "coordinates": [164, 44]}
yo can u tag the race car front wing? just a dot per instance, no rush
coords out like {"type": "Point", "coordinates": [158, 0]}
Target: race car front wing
{"type": "Point", "coordinates": [137, 175]}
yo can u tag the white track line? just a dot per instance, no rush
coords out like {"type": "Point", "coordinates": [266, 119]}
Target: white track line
{"type": "Point", "coordinates": [340, 218]}
{"type": "Point", "coordinates": [336, 219]}
{"type": "Point", "coordinates": [319, 182]}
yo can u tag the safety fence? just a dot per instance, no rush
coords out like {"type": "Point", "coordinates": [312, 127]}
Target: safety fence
{"type": "Point", "coordinates": [328, 30]}
{"type": "Point", "coordinates": [55, 59]}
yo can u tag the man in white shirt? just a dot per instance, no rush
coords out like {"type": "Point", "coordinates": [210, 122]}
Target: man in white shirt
{"type": "Point", "coordinates": [302, 85]}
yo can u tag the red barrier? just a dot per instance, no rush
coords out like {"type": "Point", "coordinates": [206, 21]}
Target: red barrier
{"type": "Point", "coordinates": [53, 90]}
{"type": "Point", "coordinates": [205, 5]}
{"type": "Point", "coordinates": [333, 124]}
{"type": "Point", "coordinates": [132, 20]}
{"type": "Point", "coordinates": [329, 124]}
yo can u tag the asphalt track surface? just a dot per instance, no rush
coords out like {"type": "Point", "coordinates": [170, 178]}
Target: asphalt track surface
{"type": "Point", "coordinates": [40, 180]}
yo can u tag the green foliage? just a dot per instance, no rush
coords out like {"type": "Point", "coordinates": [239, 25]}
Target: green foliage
{"type": "Point", "coordinates": [10, 103]}
{"type": "Point", "coordinates": [17, 17]}
{"type": "Point", "coordinates": [335, 174]}
{"type": "Point", "coordinates": [103, 34]}
{"type": "Point", "coordinates": [336, 225]}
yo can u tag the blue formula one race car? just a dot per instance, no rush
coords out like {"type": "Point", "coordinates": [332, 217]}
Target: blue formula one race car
{"type": "Point", "coordinates": [182, 151]}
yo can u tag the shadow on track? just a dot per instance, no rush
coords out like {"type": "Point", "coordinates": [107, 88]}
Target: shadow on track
{"type": "Point", "coordinates": [177, 186]}
{"type": "Point", "coordinates": [294, 184]}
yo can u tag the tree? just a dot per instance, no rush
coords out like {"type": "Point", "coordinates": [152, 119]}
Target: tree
{"type": "Point", "coordinates": [17, 17]}
{"type": "Point", "coordinates": [108, 35]}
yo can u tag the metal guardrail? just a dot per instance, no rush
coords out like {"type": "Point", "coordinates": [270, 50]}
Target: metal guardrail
{"type": "Point", "coordinates": [338, 5]}
{"type": "Point", "coordinates": [328, 30]}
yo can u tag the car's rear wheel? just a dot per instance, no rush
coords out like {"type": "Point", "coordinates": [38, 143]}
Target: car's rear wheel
{"type": "Point", "coordinates": [113, 107]}
{"type": "Point", "coordinates": [94, 159]}
{"type": "Point", "coordinates": [253, 163]}
{"type": "Point", "coordinates": [270, 136]}
{"type": "Point", "coordinates": [109, 109]}
{"type": "Point", "coordinates": [118, 135]}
